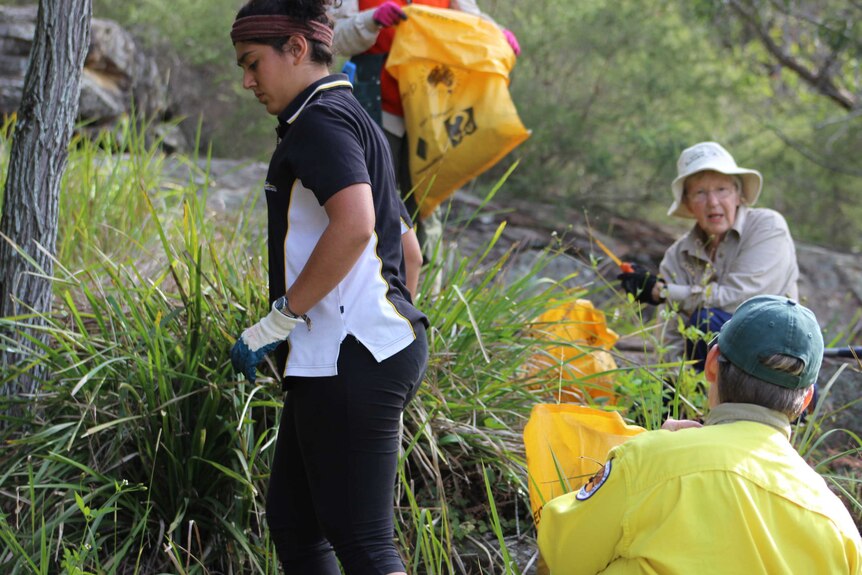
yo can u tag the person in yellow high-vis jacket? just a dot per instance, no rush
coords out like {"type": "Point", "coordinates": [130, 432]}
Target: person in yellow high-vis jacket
{"type": "Point", "coordinates": [730, 497]}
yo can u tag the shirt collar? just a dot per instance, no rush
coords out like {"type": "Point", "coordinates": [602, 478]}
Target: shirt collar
{"type": "Point", "coordinates": [289, 114]}
{"type": "Point", "coordinates": [739, 221]}
{"type": "Point", "coordinates": [731, 412]}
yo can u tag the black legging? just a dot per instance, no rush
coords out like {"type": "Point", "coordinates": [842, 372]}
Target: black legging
{"type": "Point", "coordinates": [333, 473]}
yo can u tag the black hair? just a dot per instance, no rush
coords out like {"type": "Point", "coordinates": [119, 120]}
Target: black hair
{"type": "Point", "coordinates": [736, 386]}
{"type": "Point", "coordinates": [304, 10]}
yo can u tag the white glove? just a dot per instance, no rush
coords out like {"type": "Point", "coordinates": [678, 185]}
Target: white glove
{"type": "Point", "coordinates": [260, 339]}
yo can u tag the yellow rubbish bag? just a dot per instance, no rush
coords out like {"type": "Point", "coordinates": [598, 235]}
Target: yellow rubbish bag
{"type": "Point", "coordinates": [453, 77]}
{"type": "Point", "coordinates": [584, 340]}
{"type": "Point", "coordinates": [566, 444]}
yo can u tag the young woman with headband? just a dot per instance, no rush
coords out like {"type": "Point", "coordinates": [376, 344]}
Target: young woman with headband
{"type": "Point", "coordinates": [348, 342]}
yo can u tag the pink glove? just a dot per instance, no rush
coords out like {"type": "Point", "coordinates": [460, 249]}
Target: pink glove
{"type": "Point", "coordinates": [513, 42]}
{"type": "Point", "coordinates": [389, 14]}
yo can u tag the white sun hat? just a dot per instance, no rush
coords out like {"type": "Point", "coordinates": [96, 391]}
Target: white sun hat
{"type": "Point", "coordinates": [710, 156]}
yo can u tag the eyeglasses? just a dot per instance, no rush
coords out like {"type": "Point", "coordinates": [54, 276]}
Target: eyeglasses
{"type": "Point", "coordinates": [700, 196]}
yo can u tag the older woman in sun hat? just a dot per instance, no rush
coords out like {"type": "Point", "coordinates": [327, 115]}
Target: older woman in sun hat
{"type": "Point", "coordinates": [732, 252]}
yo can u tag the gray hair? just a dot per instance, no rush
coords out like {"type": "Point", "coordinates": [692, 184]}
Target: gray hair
{"type": "Point", "coordinates": [737, 181]}
{"type": "Point", "coordinates": [736, 386]}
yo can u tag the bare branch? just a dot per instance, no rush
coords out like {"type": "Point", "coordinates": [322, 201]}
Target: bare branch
{"type": "Point", "coordinates": [813, 156]}
{"type": "Point", "coordinates": [822, 79]}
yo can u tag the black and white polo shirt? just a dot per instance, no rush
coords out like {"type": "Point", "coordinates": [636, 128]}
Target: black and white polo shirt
{"type": "Point", "coordinates": [327, 142]}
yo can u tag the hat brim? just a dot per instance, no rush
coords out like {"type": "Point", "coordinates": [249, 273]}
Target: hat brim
{"type": "Point", "coordinates": [752, 183]}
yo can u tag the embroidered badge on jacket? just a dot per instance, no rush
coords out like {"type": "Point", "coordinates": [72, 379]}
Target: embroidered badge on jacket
{"type": "Point", "coordinates": [594, 483]}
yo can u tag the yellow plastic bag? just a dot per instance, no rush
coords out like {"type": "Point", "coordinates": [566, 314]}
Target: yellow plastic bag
{"type": "Point", "coordinates": [453, 74]}
{"type": "Point", "coordinates": [584, 339]}
{"type": "Point", "coordinates": [566, 444]}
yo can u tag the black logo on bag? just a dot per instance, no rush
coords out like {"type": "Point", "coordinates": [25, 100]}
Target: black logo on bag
{"type": "Point", "coordinates": [459, 125]}
{"type": "Point", "coordinates": [441, 75]}
{"type": "Point", "coordinates": [422, 149]}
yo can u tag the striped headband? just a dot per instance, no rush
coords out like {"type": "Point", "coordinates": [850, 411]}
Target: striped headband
{"type": "Point", "coordinates": [274, 26]}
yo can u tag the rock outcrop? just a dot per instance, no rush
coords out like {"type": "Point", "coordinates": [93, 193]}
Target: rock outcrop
{"type": "Point", "coordinates": [119, 79]}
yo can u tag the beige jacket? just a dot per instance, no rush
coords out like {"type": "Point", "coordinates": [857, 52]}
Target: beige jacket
{"type": "Point", "coordinates": [757, 256]}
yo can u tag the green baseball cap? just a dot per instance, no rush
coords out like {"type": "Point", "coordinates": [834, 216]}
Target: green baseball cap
{"type": "Point", "coordinates": [765, 325]}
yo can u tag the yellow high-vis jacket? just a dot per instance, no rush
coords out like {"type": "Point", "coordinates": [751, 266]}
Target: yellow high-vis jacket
{"type": "Point", "coordinates": [732, 497]}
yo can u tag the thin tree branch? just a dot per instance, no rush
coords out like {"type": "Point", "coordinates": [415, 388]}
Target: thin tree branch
{"type": "Point", "coordinates": [822, 80]}
{"type": "Point", "coordinates": [813, 157]}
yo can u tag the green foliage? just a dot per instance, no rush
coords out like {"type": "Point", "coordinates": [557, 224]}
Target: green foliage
{"type": "Point", "coordinates": [613, 98]}
{"type": "Point", "coordinates": [102, 195]}
{"type": "Point", "coordinates": [613, 91]}
{"type": "Point", "coordinates": [141, 392]}
{"type": "Point", "coordinates": [193, 39]}
{"type": "Point", "coordinates": [199, 32]}
{"type": "Point", "coordinates": [804, 124]}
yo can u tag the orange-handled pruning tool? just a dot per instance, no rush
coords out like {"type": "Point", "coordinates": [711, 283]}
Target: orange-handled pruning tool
{"type": "Point", "coordinates": [624, 266]}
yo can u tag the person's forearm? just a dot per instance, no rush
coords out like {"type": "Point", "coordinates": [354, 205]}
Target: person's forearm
{"type": "Point", "coordinates": [412, 261]}
{"type": "Point", "coordinates": [354, 34]}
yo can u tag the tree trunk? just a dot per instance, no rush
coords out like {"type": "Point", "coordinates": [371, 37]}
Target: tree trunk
{"type": "Point", "coordinates": [46, 118]}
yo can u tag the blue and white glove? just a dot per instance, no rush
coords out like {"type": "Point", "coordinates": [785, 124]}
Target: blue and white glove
{"type": "Point", "coordinates": [260, 339]}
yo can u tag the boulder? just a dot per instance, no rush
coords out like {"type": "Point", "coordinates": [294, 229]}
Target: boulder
{"type": "Point", "coordinates": [119, 79]}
